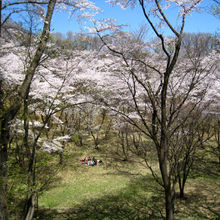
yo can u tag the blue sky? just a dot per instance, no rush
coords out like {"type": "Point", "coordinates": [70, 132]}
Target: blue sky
{"type": "Point", "coordinates": [134, 18]}
{"type": "Point", "coordinates": [198, 22]}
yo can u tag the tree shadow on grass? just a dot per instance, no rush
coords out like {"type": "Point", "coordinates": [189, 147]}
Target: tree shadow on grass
{"type": "Point", "coordinates": [204, 166]}
{"type": "Point", "coordinates": [141, 199]}
{"type": "Point", "coordinates": [17, 198]}
{"type": "Point", "coordinates": [202, 196]}
{"type": "Point", "coordinates": [197, 205]}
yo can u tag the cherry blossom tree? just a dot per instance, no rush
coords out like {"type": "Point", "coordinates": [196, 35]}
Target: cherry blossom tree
{"type": "Point", "coordinates": [54, 90]}
{"type": "Point", "coordinates": [157, 87]}
{"type": "Point", "coordinates": [9, 114]}
{"type": "Point", "coordinates": [162, 87]}
{"type": "Point", "coordinates": [9, 110]}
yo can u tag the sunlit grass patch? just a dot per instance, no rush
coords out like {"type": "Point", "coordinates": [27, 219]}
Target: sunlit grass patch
{"type": "Point", "coordinates": [76, 187]}
{"type": "Point", "coordinates": [125, 190]}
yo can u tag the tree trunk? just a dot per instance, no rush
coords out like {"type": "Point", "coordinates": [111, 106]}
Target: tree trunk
{"type": "Point", "coordinates": [181, 187]}
{"type": "Point", "coordinates": [19, 153]}
{"type": "Point", "coordinates": [61, 154]}
{"type": "Point", "coordinates": [182, 180]}
{"type": "Point", "coordinates": [80, 141]}
{"type": "Point", "coordinates": [182, 195]}
{"type": "Point", "coordinates": [169, 198]}
{"type": "Point", "coordinates": [121, 136]}
{"type": "Point", "coordinates": [30, 207]}
{"type": "Point", "coordinates": [26, 126]}
{"type": "Point", "coordinates": [168, 192]}
{"type": "Point", "coordinates": [219, 153]}
{"type": "Point", "coordinates": [218, 141]}
{"type": "Point", "coordinates": [3, 184]}
{"type": "Point", "coordinates": [4, 139]}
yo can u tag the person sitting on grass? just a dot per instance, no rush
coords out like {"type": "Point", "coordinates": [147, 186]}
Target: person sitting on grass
{"type": "Point", "coordinates": [95, 160]}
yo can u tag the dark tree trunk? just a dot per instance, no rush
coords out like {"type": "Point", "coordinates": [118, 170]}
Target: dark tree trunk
{"type": "Point", "coordinates": [30, 206]}
{"type": "Point", "coordinates": [182, 187]}
{"type": "Point", "coordinates": [61, 158]}
{"type": "Point", "coordinates": [124, 144]}
{"type": "Point", "coordinates": [218, 140]}
{"type": "Point", "coordinates": [19, 153]}
{"type": "Point", "coordinates": [61, 153]}
{"type": "Point", "coordinates": [4, 139]}
{"type": "Point", "coordinates": [182, 195]}
{"type": "Point", "coordinates": [163, 153]}
{"type": "Point", "coordinates": [219, 153]}
{"type": "Point", "coordinates": [169, 198]}
{"type": "Point", "coordinates": [3, 184]}
{"type": "Point", "coordinates": [169, 192]}
{"type": "Point", "coordinates": [26, 127]}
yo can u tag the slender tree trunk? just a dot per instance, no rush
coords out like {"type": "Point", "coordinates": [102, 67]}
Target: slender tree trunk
{"type": "Point", "coordinates": [182, 195]}
{"type": "Point", "coordinates": [4, 136]}
{"type": "Point", "coordinates": [169, 198]}
{"type": "Point", "coordinates": [95, 139]}
{"type": "Point", "coordinates": [61, 153]}
{"type": "Point", "coordinates": [182, 186]}
{"type": "Point", "coordinates": [61, 158]}
{"type": "Point", "coordinates": [218, 140]}
{"type": "Point", "coordinates": [168, 192]}
{"type": "Point", "coordinates": [19, 153]}
{"type": "Point", "coordinates": [26, 127]}
{"type": "Point", "coordinates": [80, 140]}
{"type": "Point", "coordinates": [4, 139]}
{"type": "Point", "coordinates": [31, 206]}
{"type": "Point", "coordinates": [32, 189]}
{"type": "Point", "coordinates": [219, 154]}
{"type": "Point", "coordinates": [163, 151]}
{"type": "Point", "coordinates": [185, 172]}
{"type": "Point", "coordinates": [122, 138]}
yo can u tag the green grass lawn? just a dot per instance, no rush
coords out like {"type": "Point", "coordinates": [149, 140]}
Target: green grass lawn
{"type": "Point", "coordinates": [82, 185]}
{"type": "Point", "coordinates": [123, 191]}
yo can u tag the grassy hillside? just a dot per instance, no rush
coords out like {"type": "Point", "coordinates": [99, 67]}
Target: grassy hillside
{"type": "Point", "coordinates": [126, 190]}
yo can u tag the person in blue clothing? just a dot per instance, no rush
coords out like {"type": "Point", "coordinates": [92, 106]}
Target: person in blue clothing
{"type": "Point", "coordinates": [95, 160]}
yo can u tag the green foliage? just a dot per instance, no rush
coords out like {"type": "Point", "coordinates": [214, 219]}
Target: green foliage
{"type": "Point", "coordinates": [45, 171]}
{"type": "Point", "coordinates": [17, 189]}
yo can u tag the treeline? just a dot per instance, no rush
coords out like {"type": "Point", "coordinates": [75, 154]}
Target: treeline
{"type": "Point", "coordinates": [76, 41]}
{"type": "Point", "coordinates": [201, 43]}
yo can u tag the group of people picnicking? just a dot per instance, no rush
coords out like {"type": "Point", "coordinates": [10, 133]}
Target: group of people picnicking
{"type": "Point", "coordinates": [91, 161]}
